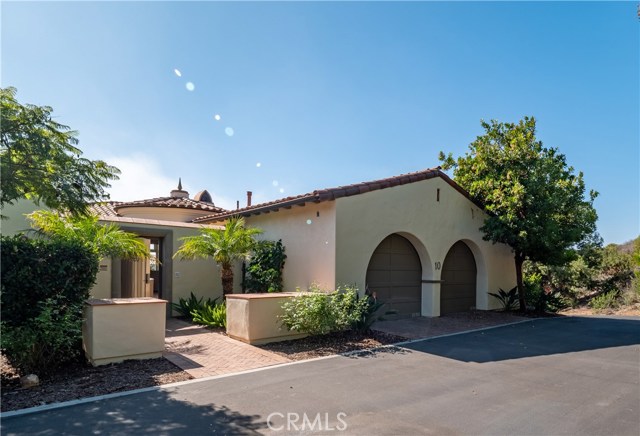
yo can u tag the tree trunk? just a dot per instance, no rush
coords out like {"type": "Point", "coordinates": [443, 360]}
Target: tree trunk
{"type": "Point", "coordinates": [227, 280]}
{"type": "Point", "coordinates": [519, 258]}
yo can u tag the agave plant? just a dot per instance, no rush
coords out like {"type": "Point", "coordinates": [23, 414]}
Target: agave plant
{"type": "Point", "coordinates": [509, 300]}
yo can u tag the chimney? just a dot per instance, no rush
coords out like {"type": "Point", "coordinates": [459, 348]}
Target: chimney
{"type": "Point", "coordinates": [179, 193]}
{"type": "Point", "coordinates": [237, 204]}
{"type": "Point", "coordinates": [249, 193]}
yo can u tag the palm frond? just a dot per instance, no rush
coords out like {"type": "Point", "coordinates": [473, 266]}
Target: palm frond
{"type": "Point", "coordinates": [104, 239]}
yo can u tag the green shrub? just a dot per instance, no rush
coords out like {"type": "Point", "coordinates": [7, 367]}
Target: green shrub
{"type": "Point", "coordinates": [42, 344]}
{"type": "Point", "coordinates": [320, 313]}
{"type": "Point", "coordinates": [211, 314]}
{"type": "Point", "coordinates": [369, 313]}
{"type": "Point", "coordinates": [509, 300]}
{"type": "Point", "coordinates": [540, 300]}
{"type": "Point", "coordinates": [264, 272]}
{"type": "Point", "coordinates": [35, 270]}
{"type": "Point", "coordinates": [604, 301]}
{"type": "Point", "coordinates": [185, 307]}
{"type": "Point", "coordinates": [44, 286]}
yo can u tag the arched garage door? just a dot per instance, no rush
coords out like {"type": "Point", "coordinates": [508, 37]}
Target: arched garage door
{"type": "Point", "coordinates": [395, 275]}
{"type": "Point", "coordinates": [458, 290]}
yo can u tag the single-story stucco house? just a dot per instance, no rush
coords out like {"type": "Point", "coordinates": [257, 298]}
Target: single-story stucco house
{"type": "Point", "coordinates": [412, 239]}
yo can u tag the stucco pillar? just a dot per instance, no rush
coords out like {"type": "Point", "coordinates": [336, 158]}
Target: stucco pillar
{"type": "Point", "coordinates": [431, 299]}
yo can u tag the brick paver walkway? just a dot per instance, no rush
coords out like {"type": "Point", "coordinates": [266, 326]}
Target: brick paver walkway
{"type": "Point", "coordinates": [202, 352]}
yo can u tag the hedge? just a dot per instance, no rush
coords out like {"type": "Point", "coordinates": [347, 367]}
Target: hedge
{"type": "Point", "coordinates": [43, 289]}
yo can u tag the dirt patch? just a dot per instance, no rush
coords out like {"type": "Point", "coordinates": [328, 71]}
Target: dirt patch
{"type": "Point", "coordinates": [587, 311]}
{"type": "Point", "coordinates": [333, 343]}
{"type": "Point", "coordinates": [82, 380]}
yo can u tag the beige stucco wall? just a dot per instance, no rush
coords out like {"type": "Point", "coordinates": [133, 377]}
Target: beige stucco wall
{"type": "Point", "coordinates": [310, 248]}
{"type": "Point", "coordinates": [163, 213]}
{"type": "Point", "coordinates": [254, 318]}
{"type": "Point", "coordinates": [102, 287]}
{"type": "Point", "coordinates": [120, 329]}
{"type": "Point", "coordinates": [412, 210]}
{"type": "Point", "coordinates": [16, 221]}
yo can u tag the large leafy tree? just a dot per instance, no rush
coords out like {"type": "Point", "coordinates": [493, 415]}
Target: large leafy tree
{"type": "Point", "coordinates": [105, 240]}
{"type": "Point", "coordinates": [224, 246]}
{"type": "Point", "coordinates": [536, 203]}
{"type": "Point", "coordinates": [39, 160]}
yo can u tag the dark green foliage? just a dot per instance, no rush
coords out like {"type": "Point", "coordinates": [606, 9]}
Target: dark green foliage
{"type": "Point", "coordinates": [210, 314]}
{"type": "Point", "coordinates": [319, 312]}
{"type": "Point", "coordinates": [264, 272]}
{"type": "Point", "coordinates": [35, 270]}
{"type": "Point", "coordinates": [541, 300]}
{"type": "Point", "coordinates": [44, 286]}
{"type": "Point", "coordinates": [39, 160]}
{"type": "Point", "coordinates": [509, 300]}
{"type": "Point", "coordinates": [537, 204]}
{"type": "Point", "coordinates": [45, 342]}
{"type": "Point", "coordinates": [185, 307]}
{"type": "Point", "coordinates": [369, 307]}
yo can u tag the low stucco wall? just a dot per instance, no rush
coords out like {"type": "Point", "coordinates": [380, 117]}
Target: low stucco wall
{"type": "Point", "coordinates": [253, 318]}
{"type": "Point", "coordinates": [123, 328]}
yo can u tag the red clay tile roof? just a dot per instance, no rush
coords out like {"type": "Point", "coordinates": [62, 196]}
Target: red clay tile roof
{"type": "Point", "coordinates": [341, 191]}
{"type": "Point", "coordinates": [179, 202]}
{"type": "Point", "coordinates": [106, 208]}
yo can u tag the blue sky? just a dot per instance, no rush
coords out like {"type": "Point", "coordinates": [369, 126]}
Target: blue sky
{"type": "Point", "coordinates": [325, 94]}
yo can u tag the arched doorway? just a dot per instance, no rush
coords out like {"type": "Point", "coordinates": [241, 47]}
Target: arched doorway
{"type": "Point", "coordinates": [458, 289]}
{"type": "Point", "coordinates": [395, 275]}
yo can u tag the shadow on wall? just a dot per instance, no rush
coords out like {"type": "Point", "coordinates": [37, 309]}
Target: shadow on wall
{"type": "Point", "coordinates": [154, 412]}
{"type": "Point", "coordinates": [535, 338]}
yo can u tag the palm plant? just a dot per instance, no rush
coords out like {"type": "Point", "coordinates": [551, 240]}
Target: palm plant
{"type": "Point", "coordinates": [103, 239]}
{"type": "Point", "coordinates": [225, 246]}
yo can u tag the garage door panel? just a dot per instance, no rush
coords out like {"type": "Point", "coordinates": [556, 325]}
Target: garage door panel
{"type": "Point", "coordinates": [380, 261]}
{"type": "Point", "coordinates": [458, 289]}
{"type": "Point", "coordinates": [378, 277]}
{"type": "Point", "coordinates": [405, 261]}
{"type": "Point", "coordinates": [395, 275]}
{"type": "Point", "coordinates": [405, 276]}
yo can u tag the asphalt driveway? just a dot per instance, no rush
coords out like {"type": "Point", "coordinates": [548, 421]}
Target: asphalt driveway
{"type": "Point", "coordinates": [576, 376]}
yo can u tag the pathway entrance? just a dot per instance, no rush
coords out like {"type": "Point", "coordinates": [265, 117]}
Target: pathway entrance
{"type": "Point", "coordinates": [203, 353]}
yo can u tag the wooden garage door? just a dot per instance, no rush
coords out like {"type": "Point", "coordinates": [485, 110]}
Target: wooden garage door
{"type": "Point", "coordinates": [395, 275]}
{"type": "Point", "coordinates": [458, 291]}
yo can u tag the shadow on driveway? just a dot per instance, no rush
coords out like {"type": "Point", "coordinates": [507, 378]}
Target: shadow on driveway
{"type": "Point", "coordinates": [539, 337]}
{"type": "Point", "coordinates": [154, 412]}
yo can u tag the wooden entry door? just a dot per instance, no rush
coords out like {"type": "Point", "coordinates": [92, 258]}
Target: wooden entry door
{"type": "Point", "coordinates": [136, 276]}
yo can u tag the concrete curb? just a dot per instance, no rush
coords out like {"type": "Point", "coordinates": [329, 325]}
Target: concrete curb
{"type": "Point", "coordinates": [71, 403]}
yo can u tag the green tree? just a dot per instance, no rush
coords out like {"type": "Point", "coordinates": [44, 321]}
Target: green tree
{"type": "Point", "coordinates": [39, 160]}
{"type": "Point", "coordinates": [535, 202]}
{"type": "Point", "coordinates": [105, 240]}
{"type": "Point", "coordinates": [225, 246]}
